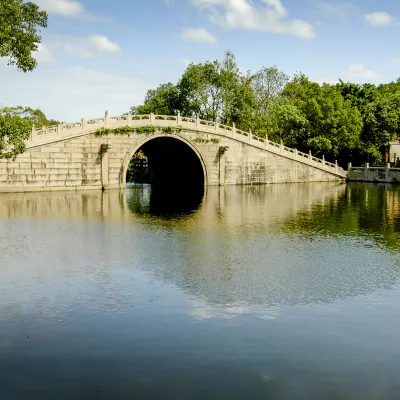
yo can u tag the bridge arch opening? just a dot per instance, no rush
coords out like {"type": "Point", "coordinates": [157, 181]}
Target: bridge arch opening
{"type": "Point", "coordinates": [164, 162]}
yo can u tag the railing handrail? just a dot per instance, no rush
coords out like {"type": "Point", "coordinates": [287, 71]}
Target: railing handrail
{"type": "Point", "coordinates": [87, 126]}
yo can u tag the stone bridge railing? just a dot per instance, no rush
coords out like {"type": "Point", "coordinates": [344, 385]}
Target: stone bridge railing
{"type": "Point", "coordinates": [65, 131]}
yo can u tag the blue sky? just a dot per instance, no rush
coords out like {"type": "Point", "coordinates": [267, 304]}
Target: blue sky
{"type": "Point", "coordinates": [97, 55]}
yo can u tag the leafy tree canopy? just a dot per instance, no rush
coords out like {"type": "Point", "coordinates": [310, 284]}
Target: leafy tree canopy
{"type": "Point", "coordinates": [16, 125]}
{"type": "Point", "coordinates": [163, 101]}
{"type": "Point", "coordinates": [19, 32]}
{"type": "Point", "coordinates": [344, 121]}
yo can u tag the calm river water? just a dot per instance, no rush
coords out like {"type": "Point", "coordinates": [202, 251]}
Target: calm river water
{"type": "Point", "coordinates": [268, 292]}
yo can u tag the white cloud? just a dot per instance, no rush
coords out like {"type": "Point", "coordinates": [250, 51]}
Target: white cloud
{"type": "Point", "coordinates": [78, 51]}
{"type": "Point", "coordinates": [66, 8]}
{"type": "Point", "coordinates": [85, 47]}
{"type": "Point", "coordinates": [103, 44]}
{"type": "Point", "coordinates": [243, 14]}
{"type": "Point", "coordinates": [358, 70]}
{"type": "Point", "coordinates": [378, 18]}
{"type": "Point", "coordinates": [69, 94]}
{"type": "Point", "coordinates": [43, 54]}
{"type": "Point", "coordinates": [198, 35]}
{"type": "Point", "coordinates": [340, 11]}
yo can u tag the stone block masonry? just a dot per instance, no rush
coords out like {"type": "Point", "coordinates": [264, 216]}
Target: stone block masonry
{"type": "Point", "coordinates": [77, 158]}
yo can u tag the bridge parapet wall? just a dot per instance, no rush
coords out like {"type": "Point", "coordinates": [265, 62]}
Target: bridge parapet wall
{"type": "Point", "coordinates": [366, 173]}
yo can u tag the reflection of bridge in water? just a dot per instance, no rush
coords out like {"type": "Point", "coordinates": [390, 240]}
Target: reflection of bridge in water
{"type": "Point", "coordinates": [252, 247]}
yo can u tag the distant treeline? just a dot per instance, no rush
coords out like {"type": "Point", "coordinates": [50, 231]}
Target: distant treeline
{"type": "Point", "coordinates": [344, 121]}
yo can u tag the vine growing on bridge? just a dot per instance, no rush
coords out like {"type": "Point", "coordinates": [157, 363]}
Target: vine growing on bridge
{"type": "Point", "coordinates": [147, 130]}
{"type": "Point", "coordinates": [205, 141]}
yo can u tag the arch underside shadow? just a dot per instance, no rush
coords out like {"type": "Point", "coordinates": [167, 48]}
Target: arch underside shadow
{"type": "Point", "coordinates": [172, 160]}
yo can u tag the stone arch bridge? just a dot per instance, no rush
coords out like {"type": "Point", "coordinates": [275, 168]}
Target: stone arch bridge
{"type": "Point", "coordinates": [95, 154]}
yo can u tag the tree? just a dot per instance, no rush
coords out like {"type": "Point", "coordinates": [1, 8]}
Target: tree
{"type": "Point", "coordinates": [19, 38]}
{"type": "Point", "coordinates": [19, 32]}
{"type": "Point", "coordinates": [381, 124]}
{"type": "Point", "coordinates": [164, 101]}
{"type": "Point", "coordinates": [16, 126]}
{"type": "Point", "coordinates": [286, 123]}
{"type": "Point", "coordinates": [380, 110]}
{"type": "Point", "coordinates": [201, 90]}
{"type": "Point", "coordinates": [217, 91]}
{"type": "Point", "coordinates": [347, 121]}
{"type": "Point", "coordinates": [14, 130]}
{"type": "Point", "coordinates": [37, 117]}
{"type": "Point", "coordinates": [333, 125]}
{"type": "Point", "coordinates": [268, 84]}
{"type": "Point", "coordinates": [358, 95]}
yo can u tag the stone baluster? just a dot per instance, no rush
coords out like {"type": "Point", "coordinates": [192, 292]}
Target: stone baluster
{"type": "Point", "coordinates": [215, 126]}
{"type": "Point", "coordinates": [336, 167]}
{"type": "Point", "coordinates": [323, 159]}
{"type": "Point", "coordinates": [129, 119]}
{"type": "Point", "coordinates": [250, 135]}
{"type": "Point", "coordinates": [233, 129]}
{"type": "Point", "coordinates": [83, 124]}
{"type": "Point", "coordinates": [309, 157]}
{"type": "Point", "coordinates": [296, 153]}
{"type": "Point", "coordinates": [281, 148]}
{"type": "Point", "coordinates": [106, 120]}
{"type": "Point", "coordinates": [387, 172]}
{"type": "Point", "coordinates": [366, 170]}
{"type": "Point", "coordinates": [178, 118]}
{"type": "Point", "coordinates": [266, 141]}
{"type": "Point", "coordinates": [152, 119]}
{"type": "Point", "coordinates": [197, 121]}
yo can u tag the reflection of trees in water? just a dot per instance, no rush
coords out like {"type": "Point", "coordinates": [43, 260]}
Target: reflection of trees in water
{"type": "Point", "coordinates": [250, 248]}
{"type": "Point", "coordinates": [239, 248]}
{"type": "Point", "coordinates": [371, 211]}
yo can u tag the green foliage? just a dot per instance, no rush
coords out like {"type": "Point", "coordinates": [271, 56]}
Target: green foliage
{"type": "Point", "coordinates": [163, 101]}
{"type": "Point", "coordinates": [37, 117]}
{"type": "Point", "coordinates": [286, 123]}
{"type": "Point", "coordinates": [16, 126]}
{"type": "Point", "coordinates": [205, 140]}
{"type": "Point", "coordinates": [146, 129]}
{"type": "Point", "coordinates": [217, 91]}
{"type": "Point", "coordinates": [267, 85]}
{"type": "Point", "coordinates": [19, 32]}
{"type": "Point", "coordinates": [381, 124]}
{"type": "Point", "coordinates": [131, 175]}
{"type": "Point", "coordinates": [331, 125]}
{"type": "Point", "coordinates": [14, 130]}
{"type": "Point", "coordinates": [345, 121]}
